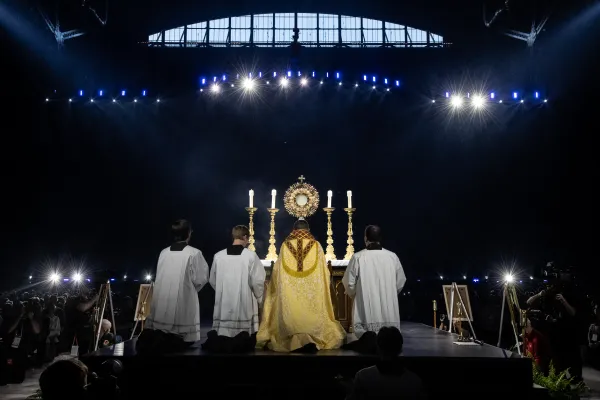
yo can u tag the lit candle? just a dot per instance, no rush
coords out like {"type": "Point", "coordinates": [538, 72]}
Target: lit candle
{"type": "Point", "coordinates": [349, 199]}
{"type": "Point", "coordinates": [251, 198]}
{"type": "Point", "coordinates": [329, 195]}
{"type": "Point", "coordinates": [273, 194]}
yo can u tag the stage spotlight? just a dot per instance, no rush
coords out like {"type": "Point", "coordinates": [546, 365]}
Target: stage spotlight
{"type": "Point", "coordinates": [91, 100]}
{"type": "Point", "coordinates": [268, 83]}
{"type": "Point", "coordinates": [215, 88]}
{"type": "Point", "coordinates": [500, 102]}
{"type": "Point", "coordinates": [299, 73]}
{"type": "Point", "coordinates": [143, 92]}
{"type": "Point", "coordinates": [70, 100]}
{"type": "Point", "coordinates": [54, 277]}
{"type": "Point", "coordinates": [387, 90]}
{"type": "Point", "coordinates": [274, 74]}
{"type": "Point", "coordinates": [486, 277]}
{"type": "Point", "coordinates": [385, 81]}
{"type": "Point", "coordinates": [47, 99]}
{"type": "Point", "coordinates": [441, 277]}
{"type": "Point", "coordinates": [464, 277]}
{"type": "Point", "coordinates": [260, 74]}
{"type": "Point", "coordinates": [478, 101]}
{"type": "Point", "coordinates": [135, 100]}
{"type": "Point", "coordinates": [148, 277]}
{"type": "Point", "coordinates": [81, 93]}
{"type": "Point", "coordinates": [248, 84]}
{"type": "Point", "coordinates": [101, 93]}
{"type": "Point", "coordinates": [321, 82]}
{"type": "Point", "coordinates": [340, 84]}
{"type": "Point", "coordinates": [224, 78]}
{"type": "Point", "coordinates": [537, 95]}
{"type": "Point", "coordinates": [30, 277]}
{"type": "Point", "coordinates": [545, 100]}
{"type": "Point", "coordinates": [303, 82]}
{"type": "Point", "coordinates": [337, 75]}
{"type": "Point", "coordinates": [232, 85]}
{"type": "Point", "coordinates": [356, 85]}
{"type": "Point", "coordinates": [531, 277]}
{"type": "Point", "coordinates": [447, 95]}
{"type": "Point", "coordinates": [313, 74]}
{"type": "Point", "coordinates": [114, 100]}
{"type": "Point", "coordinates": [289, 74]}
{"type": "Point", "coordinates": [456, 101]}
{"type": "Point", "coordinates": [364, 78]}
{"type": "Point", "coordinates": [508, 278]}
{"type": "Point", "coordinates": [374, 79]}
{"type": "Point", "coordinates": [397, 83]}
{"type": "Point", "coordinates": [515, 95]}
{"type": "Point", "coordinates": [77, 277]}
{"type": "Point", "coordinates": [201, 90]}
{"type": "Point", "coordinates": [123, 93]}
{"type": "Point", "coordinates": [433, 101]}
{"type": "Point", "coordinates": [374, 87]}
{"type": "Point", "coordinates": [492, 95]}
{"type": "Point", "coordinates": [284, 82]}
{"type": "Point", "coordinates": [522, 101]}
{"type": "Point", "coordinates": [124, 276]}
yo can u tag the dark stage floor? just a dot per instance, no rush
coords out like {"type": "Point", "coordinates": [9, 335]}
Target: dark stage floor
{"type": "Point", "coordinates": [445, 367]}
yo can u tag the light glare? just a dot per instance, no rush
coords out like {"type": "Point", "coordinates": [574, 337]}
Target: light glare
{"type": "Point", "coordinates": [508, 278]}
{"type": "Point", "coordinates": [456, 101]}
{"type": "Point", "coordinates": [478, 101]}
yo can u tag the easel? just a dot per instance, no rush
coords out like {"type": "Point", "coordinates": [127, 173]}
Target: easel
{"type": "Point", "coordinates": [453, 290]}
{"type": "Point", "coordinates": [509, 296]}
{"type": "Point", "coordinates": [142, 308]}
{"type": "Point", "coordinates": [104, 295]}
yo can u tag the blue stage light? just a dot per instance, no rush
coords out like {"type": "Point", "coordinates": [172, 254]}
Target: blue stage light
{"type": "Point", "coordinates": [112, 279]}
{"type": "Point", "coordinates": [447, 95]}
{"type": "Point", "coordinates": [313, 74]}
{"type": "Point", "coordinates": [327, 74]}
{"type": "Point", "coordinates": [224, 78]}
{"type": "Point", "coordinates": [122, 93]}
{"type": "Point", "coordinates": [101, 92]}
{"type": "Point", "coordinates": [337, 75]}
{"type": "Point", "coordinates": [143, 93]}
{"type": "Point", "coordinates": [289, 74]}
{"type": "Point", "coordinates": [374, 79]}
{"type": "Point", "coordinates": [299, 73]}
{"type": "Point", "coordinates": [364, 77]}
{"type": "Point", "coordinates": [237, 76]}
{"type": "Point", "coordinates": [537, 95]}
{"type": "Point", "coordinates": [385, 81]}
{"type": "Point", "coordinates": [475, 280]}
{"type": "Point", "coordinates": [274, 74]}
{"type": "Point", "coordinates": [260, 74]}
{"type": "Point", "coordinates": [515, 95]}
{"type": "Point", "coordinates": [81, 92]}
{"type": "Point", "coordinates": [397, 83]}
{"type": "Point", "coordinates": [492, 95]}
{"type": "Point", "coordinates": [203, 81]}
{"type": "Point", "coordinates": [214, 78]}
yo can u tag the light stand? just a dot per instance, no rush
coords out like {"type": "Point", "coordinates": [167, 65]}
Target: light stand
{"type": "Point", "coordinates": [509, 297]}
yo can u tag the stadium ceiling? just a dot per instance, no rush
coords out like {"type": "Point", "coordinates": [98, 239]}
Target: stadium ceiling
{"type": "Point", "coordinates": [278, 29]}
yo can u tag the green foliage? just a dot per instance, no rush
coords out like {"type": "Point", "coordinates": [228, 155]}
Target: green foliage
{"type": "Point", "coordinates": [557, 383]}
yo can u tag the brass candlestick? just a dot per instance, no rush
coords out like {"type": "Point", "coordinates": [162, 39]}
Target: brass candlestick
{"type": "Point", "coordinates": [272, 255]}
{"type": "Point", "coordinates": [350, 247]}
{"type": "Point", "coordinates": [251, 211]}
{"type": "Point", "coordinates": [329, 254]}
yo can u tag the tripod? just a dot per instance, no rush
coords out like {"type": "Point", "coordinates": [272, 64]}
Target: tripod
{"type": "Point", "coordinates": [509, 296]}
{"type": "Point", "coordinates": [104, 296]}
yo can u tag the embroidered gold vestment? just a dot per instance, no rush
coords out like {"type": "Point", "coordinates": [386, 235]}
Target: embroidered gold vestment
{"type": "Point", "coordinates": [297, 308]}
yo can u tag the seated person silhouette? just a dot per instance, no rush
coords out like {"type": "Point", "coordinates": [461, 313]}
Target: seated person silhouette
{"type": "Point", "coordinates": [389, 378]}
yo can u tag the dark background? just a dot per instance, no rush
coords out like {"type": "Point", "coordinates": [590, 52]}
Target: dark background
{"type": "Point", "coordinates": [100, 183]}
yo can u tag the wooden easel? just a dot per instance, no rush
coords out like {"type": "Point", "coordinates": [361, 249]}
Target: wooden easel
{"type": "Point", "coordinates": [142, 308]}
{"type": "Point", "coordinates": [104, 295]}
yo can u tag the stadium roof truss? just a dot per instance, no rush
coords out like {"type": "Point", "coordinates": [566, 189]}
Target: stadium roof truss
{"type": "Point", "coordinates": [277, 30]}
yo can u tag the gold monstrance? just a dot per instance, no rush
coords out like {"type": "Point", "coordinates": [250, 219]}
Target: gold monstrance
{"type": "Point", "coordinates": [301, 200]}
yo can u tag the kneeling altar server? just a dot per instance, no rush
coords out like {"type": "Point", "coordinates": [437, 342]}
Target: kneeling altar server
{"type": "Point", "coordinates": [238, 277]}
{"type": "Point", "coordinates": [374, 278]}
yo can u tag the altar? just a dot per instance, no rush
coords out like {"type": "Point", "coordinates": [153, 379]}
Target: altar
{"type": "Point", "coordinates": [301, 200]}
{"type": "Point", "coordinates": [342, 304]}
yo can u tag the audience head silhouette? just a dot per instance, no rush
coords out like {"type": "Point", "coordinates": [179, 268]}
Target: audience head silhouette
{"type": "Point", "coordinates": [64, 380]}
{"type": "Point", "coordinates": [389, 342]}
{"type": "Point", "coordinates": [301, 224]}
{"type": "Point", "coordinates": [181, 230]}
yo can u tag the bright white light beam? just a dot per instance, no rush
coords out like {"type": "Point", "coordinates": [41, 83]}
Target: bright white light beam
{"type": "Point", "coordinates": [478, 101]}
{"type": "Point", "coordinates": [456, 101]}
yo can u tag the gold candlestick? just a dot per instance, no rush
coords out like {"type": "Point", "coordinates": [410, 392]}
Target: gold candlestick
{"type": "Point", "coordinates": [251, 211]}
{"type": "Point", "coordinates": [330, 254]}
{"type": "Point", "coordinates": [350, 247]}
{"type": "Point", "coordinates": [272, 255]}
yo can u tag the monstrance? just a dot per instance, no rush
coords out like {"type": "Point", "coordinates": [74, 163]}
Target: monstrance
{"type": "Point", "coordinates": [301, 200]}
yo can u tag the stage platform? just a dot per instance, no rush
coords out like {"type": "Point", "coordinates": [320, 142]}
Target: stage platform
{"type": "Point", "coordinates": [445, 368]}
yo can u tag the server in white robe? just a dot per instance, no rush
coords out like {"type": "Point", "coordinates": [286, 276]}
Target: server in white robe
{"type": "Point", "coordinates": [374, 278]}
{"type": "Point", "coordinates": [180, 274]}
{"type": "Point", "coordinates": [238, 277]}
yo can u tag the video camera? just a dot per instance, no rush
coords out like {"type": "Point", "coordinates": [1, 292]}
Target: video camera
{"type": "Point", "coordinates": [552, 272]}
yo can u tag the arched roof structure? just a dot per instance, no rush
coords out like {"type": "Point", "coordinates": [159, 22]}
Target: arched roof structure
{"type": "Point", "coordinates": [277, 29]}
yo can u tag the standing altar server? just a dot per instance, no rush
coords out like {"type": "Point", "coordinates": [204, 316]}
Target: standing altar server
{"type": "Point", "coordinates": [181, 272]}
{"type": "Point", "coordinates": [298, 313]}
{"type": "Point", "coordinates": [238, 277]}
{"type": "Point", "coordinates": [374, 278]}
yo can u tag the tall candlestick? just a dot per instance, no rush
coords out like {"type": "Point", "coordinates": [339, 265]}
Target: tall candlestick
{"type": "Point", "coordinates": [349, 199]}
{"type": "Point", "coordinates": [273, 194]}
{"type": "Point", "coordinates": [330, 254]}
{"type": "Point", "coordinates": [251, 211]}
{"type": "Point", "coordinates": [350, 247]}
{"type": "Point", "coordinates": [251, 193]}
{"type": "Point", "coordinates": [329, 195]}
{"type": "Point", "coordinates": [272, 254]}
